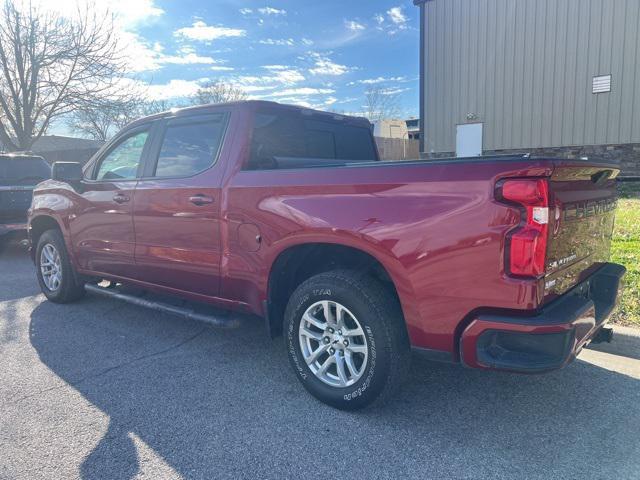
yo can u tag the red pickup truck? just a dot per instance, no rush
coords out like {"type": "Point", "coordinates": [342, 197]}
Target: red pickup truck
{"type": "Point", "coordinates": [288, 213]}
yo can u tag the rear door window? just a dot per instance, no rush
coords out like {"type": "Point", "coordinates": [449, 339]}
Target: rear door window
{"type": "Point", "coordinates": [281, 136]}
{"type": "Point", "coordinates": [190, 146]}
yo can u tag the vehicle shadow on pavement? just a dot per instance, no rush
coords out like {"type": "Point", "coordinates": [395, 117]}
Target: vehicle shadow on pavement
{"type": "Point", "coordinates": [224, 404]}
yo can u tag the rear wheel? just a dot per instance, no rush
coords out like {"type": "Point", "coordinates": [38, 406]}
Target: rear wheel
{"type": "Point", "coordinates": [346, 339]}
{"type": "Point", "coordinates": [56, 276]}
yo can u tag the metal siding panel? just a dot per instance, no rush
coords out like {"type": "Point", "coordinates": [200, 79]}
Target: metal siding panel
{"type": "Point", "coordinates": [526, 108]}
{"type": "Point", "coordinates": [570, 68]}
{"type": "Point", "coordinates": [447, 66]}
{"type": "Point", "coordinates": [455, 80]}
{"type": "Point", "coordinates": [499, 82]}
{"type": "Point", "coordinates": [581, 74]}
{"type": "Point", "coordinates": [483, 83]}
{"type": "Point", "coordinates": [431, 50]}
{"type": "Point", "coordinates": [593, 48]}
{"type": "Point", "coordinates": [627, 82]}
{"type": "Point", "coordinates": [618, 42]}
{"type": "Point", "coordinates": [473, 43]}
{"type": "Point", "coordinates": [604, 68]}
{"type": "Point", "coordinates": [508, 73]}
{"type": "Point", "coordinates": [559, 73]}
{"type": "Point", "coordinates": [518, 72]}
{"type": "Point", "coordinates": [538, 77]}
{"type": "Point", "coordinates": [464, 14]}
{"type": "Point", "coordinates": [549, 73]}
{"type": "Point", "coordinates": [635, 97]}
{"type": "Point", "coordinates": [439, 142]}
{"type": "Point", "coordinates": [492, 54]}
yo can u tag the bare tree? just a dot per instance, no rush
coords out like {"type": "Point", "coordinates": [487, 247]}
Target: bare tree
{"type": "Point", "coordinates": [381, 104]}
{"type": "Point", "coordinates": [217, 92]}
{"type": "Point", "coordinates": [152, 107]}
{"type": "Point", "coordinates": [105, 117]}
{"type": "Point", "coordinates": [51, 65]}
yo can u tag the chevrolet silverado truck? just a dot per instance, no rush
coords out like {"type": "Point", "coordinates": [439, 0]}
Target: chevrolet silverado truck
{"type": "Point", "coordinates": [498, 263]}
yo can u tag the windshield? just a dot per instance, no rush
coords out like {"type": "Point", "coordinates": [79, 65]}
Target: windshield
{"type": "Point", "coordinates": [23, 170]}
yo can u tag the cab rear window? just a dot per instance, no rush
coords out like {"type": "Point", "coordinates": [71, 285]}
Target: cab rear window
{"type": "Point", "coordinates": [290, 139]}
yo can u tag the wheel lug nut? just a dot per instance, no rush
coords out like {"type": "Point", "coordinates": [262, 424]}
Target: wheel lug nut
{"type": "Point", "coordinates": [339, 332]}
{"type": "Point", "coordinates": [331, 330]}
{"type": "Point", "coordinates": [332, 351]}
{"type": "Point", "coordinates": [326, 340]}
{"type": "Point", "coordinates": [346, 343]}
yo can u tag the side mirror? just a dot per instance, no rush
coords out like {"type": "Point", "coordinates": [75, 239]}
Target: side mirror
{"type": "Point", "coordinates": [70, 172]}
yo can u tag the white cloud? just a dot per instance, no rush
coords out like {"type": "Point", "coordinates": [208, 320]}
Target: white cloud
{"type": "Point", "coordinates": [379, 19]}
{"type": "Point", "coordinates": [220, 68]}
{"type": "Point", "coordinates": [271, 11]}
{"type": "Point", "coordinates": [275, 67]}
{"type": "Point", "coordinates": [127, 13]}
{"type": "Point", "coordinates": [288, 76]}
{"type": "Point", "coordinates": [175, 88]}
{"type": "Point", "coordinates": [277, 77]}
{"type": "Point", "coordinates": [145, 57]}
{"type": "Point", "coordinates": [393, 91]}
{"type": "Point", "coordinates": [301, 102]}
{"type": "Point", "coordinates": [354, 26]}
{"type": "Point", "coordinates": [279, 41]}
{"type": "Point", "coordinates": [325, 66]}
{"type": "Point", "coordinates": [374, 81]}
{"type": "Point", "coordinates": [200, 31]}
{"type": "Point", "coordinates": [302, 91]}
{"type": "Point", "coordinates": [307, 42]}
{"type": "Point", "coordinates": [245, 11]}
{"type": "Point", "coordinates": [397, 16]}
{"type": "Point", "coordinates": [188, 59]}
{"type": "Point", "coordinates": [127, 16]}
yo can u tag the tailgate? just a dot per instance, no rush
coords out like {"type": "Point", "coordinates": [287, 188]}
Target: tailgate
{"type": "Point", "coordinates": [14, 203]}
{"type": "Point", "coordinates": [582, 215]}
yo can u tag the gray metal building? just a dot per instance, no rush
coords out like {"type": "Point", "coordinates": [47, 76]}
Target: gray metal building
{"type": "Point", "coordinates": [555, 77]}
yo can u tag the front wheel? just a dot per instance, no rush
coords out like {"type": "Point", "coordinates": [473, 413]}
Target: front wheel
{"type": "Point", "coordinates": [56, 276]}
{"type": "Point", "coordinates": [346, 339]}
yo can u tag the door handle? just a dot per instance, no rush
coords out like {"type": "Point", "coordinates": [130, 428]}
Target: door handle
{"type": "Point", "coordinates": [200, 200]}
{"type": "Point", "coordinates": [120, 198]}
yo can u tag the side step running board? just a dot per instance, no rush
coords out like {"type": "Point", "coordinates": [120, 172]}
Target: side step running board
{"type": "Point", "coordinates": [215, 321]}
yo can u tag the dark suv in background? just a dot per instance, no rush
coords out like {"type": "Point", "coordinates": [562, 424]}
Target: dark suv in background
{"type": "Point", "coordinates": [19, 174]}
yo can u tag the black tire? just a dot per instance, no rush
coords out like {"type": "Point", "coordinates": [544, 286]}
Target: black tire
{"type": "Point", "coordinates": [70, 289]}
{"type": "Point", "coordinates": [380, 317]}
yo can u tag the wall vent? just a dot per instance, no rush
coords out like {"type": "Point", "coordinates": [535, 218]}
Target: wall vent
{"type": "Point", "coordinates": [602, 84]}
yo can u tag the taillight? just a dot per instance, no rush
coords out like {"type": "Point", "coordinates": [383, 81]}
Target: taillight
{"type": "Point", "coordinates": [527, 244]}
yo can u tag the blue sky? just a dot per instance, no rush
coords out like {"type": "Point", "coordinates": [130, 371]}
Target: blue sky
{"type": "Point", "coordinates": [322, 53]}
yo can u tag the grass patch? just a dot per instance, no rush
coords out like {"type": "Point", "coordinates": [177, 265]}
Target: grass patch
{"type": "Point", "coordinates": [625, 250]}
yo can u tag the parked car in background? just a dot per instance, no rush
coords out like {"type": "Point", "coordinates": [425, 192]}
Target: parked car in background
{"type": "Point", "coordinates": [286, 212]}
{"type": "Point", "coordinates": [19, 174]}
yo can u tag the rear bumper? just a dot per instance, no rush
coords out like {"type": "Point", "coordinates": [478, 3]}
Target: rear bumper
{"type": "Point", "coordinates": [549, 339]}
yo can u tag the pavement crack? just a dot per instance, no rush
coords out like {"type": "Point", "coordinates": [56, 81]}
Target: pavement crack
{"type": "Point", "coordinates": [111, 369]}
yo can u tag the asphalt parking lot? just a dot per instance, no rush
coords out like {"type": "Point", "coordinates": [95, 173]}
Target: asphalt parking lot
{"type": "Point", "coordinates": [101, 389]}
